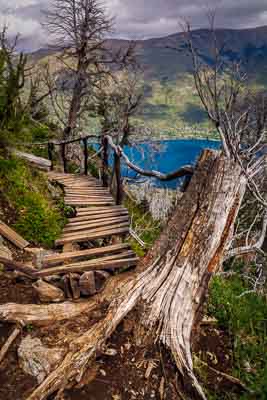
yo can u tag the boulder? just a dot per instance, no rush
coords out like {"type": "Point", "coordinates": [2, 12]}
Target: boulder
{"type": "Point", "coordinates": [38, 360]}
{"type": "Point", "coordinates": [48, 293]}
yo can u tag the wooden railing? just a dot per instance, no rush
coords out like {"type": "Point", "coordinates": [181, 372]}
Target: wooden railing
{"type": "Point", "coordinates": [118, 155]}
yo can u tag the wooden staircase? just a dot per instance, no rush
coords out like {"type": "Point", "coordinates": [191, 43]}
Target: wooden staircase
{"type": "Point", "coordinates": [97, 217]}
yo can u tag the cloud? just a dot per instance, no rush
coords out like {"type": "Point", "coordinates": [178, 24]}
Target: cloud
{"type": "Point", "coordinates": [139, 18]}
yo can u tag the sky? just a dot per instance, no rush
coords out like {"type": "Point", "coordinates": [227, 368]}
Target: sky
{"type": "Point", "coordinates": [137, 19]}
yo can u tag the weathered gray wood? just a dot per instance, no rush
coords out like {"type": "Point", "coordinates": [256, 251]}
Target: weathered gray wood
{"type": "Point", "coordinates": [99, 221]}
{"type": "Point", "coordinates": [86, 266]}
{"type": "Point", "coordinates": [75, 255]}
{"type": "Point", "coordinates": [93, 217]}
{"type": "Point", "coordinates": [13, 236]}
{"type": "Point", "coordinates": [99, 229]}
{"type": "Point", "coordinates": [91, 236]}
{"type": "Point", "coordinates": [8, 343]}
{"type": "Point", "coordinates": [39, 162]}
{"type": "Point", "coordinates": [102, 223]}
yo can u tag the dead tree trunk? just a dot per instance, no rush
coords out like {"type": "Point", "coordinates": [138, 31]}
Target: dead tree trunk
{"type": "Point", "coordinates": [171, 284]}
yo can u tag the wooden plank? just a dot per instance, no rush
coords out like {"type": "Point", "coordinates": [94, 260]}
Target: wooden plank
{"type": "Point", "coordinates": [94, 217]}
{"type": "Point", "coordinates": [91, 236]}
{"type": "Point", "coordinates": [99, 220]}
{"type": "Point", "coordinates": [75, 255]}
{"type": "Point", "coordinates": [95, 209]}
{"type": "Point", "coordinates": [86, 266]}
{"type": "Point", "coordinates": [83, 197]}
{"type": "Point", "coordinates": [88, 203]}
{"type": "Point", "coordinates": [13, 236]}
{"type": "Point", "coordinates": [99, 229]}
{"type": "Point", "coordinates": [84, 227]}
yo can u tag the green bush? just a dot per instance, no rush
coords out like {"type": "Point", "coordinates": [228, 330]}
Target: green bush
{"type": "Point", "coordinates": [36, 218]}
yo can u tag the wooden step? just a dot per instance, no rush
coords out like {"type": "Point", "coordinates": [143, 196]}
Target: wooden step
{"type": "Point", "coordinates": [89, 202]}
{"type": "Point", "coordinates": [99, 228]}
{"type": "Point", "coordinates": [99, 208]}
{"type": "Point", "coordinates": [55, 259]}
{"type": "Point", "coordinates": [98, 216]}
{"type": "Point", "coordinates": [97, 220]}
{"type": "Point", "coordinates": [92, 265]}
{"type": "Point", "coordinates": [85, 227]}
{"type": "Point", "coordinates": [13, 236]}
{"type": "Point", "coordinates": [91, 196]}
{"type": "Point", "coordinates": [85, 237]}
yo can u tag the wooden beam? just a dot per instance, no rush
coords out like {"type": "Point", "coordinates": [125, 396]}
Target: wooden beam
{"type": "Point", "coordinates": [86, 266]}
{"type": "Point", "coordinates": [13, 236]}
{"type": "Point", "coordinates": [85, 237]}
{"type": "Point", "coordinates": [103, 223]}
{"type": "Point", "coordinates": [75, 255]}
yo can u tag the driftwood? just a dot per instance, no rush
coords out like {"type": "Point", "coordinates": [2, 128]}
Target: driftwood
{"type": "Point", "coordinates": [8, 343]}
{"type": "Point", "coordinates": [171, 284]}
{"type": "Point", "coordinates": [43, 314]}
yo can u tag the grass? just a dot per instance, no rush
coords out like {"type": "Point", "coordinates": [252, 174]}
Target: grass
{"type": "Point", "coordinates": [25, 190]}
{"type": "Point", "coordinates": [244, 318]}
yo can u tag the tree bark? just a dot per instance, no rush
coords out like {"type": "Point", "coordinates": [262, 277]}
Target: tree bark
{"type": "Point", "coordinates": [171, 283]}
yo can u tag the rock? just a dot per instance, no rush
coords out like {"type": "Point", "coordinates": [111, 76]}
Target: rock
{"type": "Point", "coordinates": [47, 292]}
{"type": "Point", "coordinates": [110, 352]}
{"type": "Point", "coordinates": [87, 283]}
{"type": "Point", "coordinates": [37, 360]}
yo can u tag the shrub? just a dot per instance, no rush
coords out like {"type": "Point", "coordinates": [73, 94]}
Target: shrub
{"type": "Point", "coordinates": [36, 218]}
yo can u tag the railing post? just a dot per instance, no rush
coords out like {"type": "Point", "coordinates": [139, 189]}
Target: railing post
{"type": "Point", "coordinates": [50, 149]}
{"type": "Point", "coordinates": [63, 155]}
{"type": "Point", "coordinates": [85, 149]}
{"type": "Point", "coordinates": [105, 162]}
{"type": "Point", "coordinates": [117, 170]}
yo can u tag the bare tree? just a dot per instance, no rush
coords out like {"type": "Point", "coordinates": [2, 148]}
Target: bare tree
{"type": "Point", "coordinates": [169, 286]}
{"type": "Point", "coordinates": [118, 102]}
{"type": "Point", "coordinates": [78, 29]}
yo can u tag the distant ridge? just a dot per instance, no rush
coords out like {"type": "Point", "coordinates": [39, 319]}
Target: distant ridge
{"type": "Point", "coordinates": [159, 62]}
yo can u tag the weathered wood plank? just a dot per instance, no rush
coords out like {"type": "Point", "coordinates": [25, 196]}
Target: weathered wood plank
{"type": "Point", "coordinates": [94, 219]}
{"type": "Point", "coordinates": [96, 216]}
{"type": "Point", "coordinates": [92, 236]}
{"type": "Point", "coordinates": [75, 255]}
{"type": "Point", "coordinates": [13, 236]}
{"type": "Point", "coordinates": [86, 266]}
{"type": "Point", "coordinates": [103, 223]}
{"type": "Point", "coordinates": [99, 208]}
{"type": "Point", "coordinates": [100, 229]}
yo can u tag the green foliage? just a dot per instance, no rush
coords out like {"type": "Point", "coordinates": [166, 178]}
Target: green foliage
{"type": "Point", "coordinates": [26, 192]}
{"type": "Point", "coordinates": [245, 318]}
{"type": "Point", "coordinates": [142, 221]}
{"type": "Point", "coordinates": [12, 79]}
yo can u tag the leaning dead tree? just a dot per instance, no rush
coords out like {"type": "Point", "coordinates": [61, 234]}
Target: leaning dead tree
{"type": "Point", "coordinates": [78, 29]}
{"type": "Point", "coordinates": [169, 286]}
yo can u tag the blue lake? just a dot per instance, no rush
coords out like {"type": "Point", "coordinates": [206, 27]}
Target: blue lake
{"type": "Point", "coordinates": [166, 156]}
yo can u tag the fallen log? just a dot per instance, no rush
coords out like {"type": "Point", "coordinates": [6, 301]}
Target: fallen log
{"type": "Point", "coordinates": [171, 283]}
{"type": "Point", "coordinates": [43, 314]}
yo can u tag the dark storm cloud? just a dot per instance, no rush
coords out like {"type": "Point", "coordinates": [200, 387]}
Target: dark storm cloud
{"type": "Point", "coordinates": [141, 18]}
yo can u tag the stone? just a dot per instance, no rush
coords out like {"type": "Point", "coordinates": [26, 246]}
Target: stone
{"type": "Point", "coordinates": [48, 293]}
{"type": "Point", "coordinates": [38, 360]}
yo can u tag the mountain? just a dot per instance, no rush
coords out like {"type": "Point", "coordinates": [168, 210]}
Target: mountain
{"type": "Point", "coordinates": [165, 57]}
{"type": "Point", "coordinates": [171, 101]}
